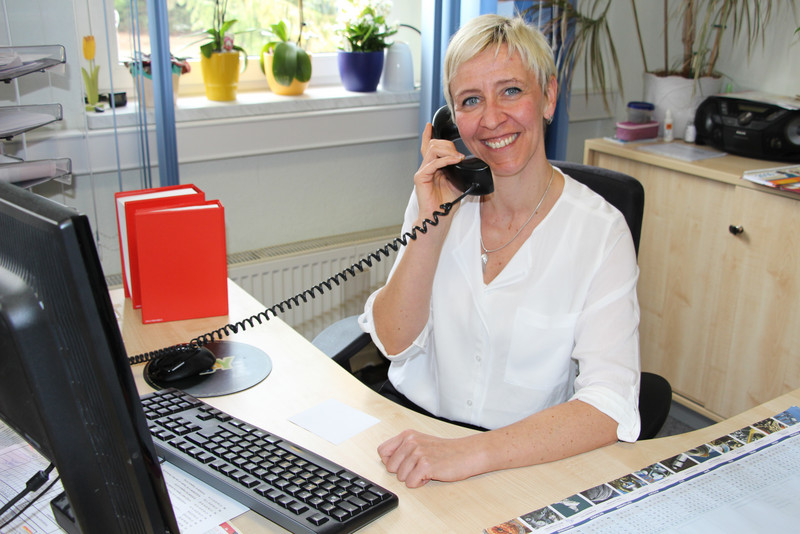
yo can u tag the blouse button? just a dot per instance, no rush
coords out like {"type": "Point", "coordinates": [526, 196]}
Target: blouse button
{"type": "Point", "coordinates": [469, 403]}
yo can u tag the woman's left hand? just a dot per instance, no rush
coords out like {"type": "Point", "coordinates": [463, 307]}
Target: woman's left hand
{"type": "Point", "coordinates": [417, 458]}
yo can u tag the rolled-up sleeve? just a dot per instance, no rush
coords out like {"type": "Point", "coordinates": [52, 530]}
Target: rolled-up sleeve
{"type": "Point", "coordinates": [607, 341]}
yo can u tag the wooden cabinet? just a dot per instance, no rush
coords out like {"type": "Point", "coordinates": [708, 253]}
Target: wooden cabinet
{"type": "Point", "coordinates": [720, 309]}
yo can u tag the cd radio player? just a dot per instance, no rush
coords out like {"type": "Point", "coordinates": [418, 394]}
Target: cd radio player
{"type": "Point", "coordinates": [760, 126]}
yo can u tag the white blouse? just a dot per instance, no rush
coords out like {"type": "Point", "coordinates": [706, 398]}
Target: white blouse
{"type": "Point", "coordinates": [559, 322]}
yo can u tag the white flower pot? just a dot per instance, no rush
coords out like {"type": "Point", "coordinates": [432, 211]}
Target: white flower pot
{"type": "Point", "coordinates": [680, 95]}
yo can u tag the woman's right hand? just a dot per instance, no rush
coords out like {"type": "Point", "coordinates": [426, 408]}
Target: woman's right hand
{"type": "Point", "coordinates": [432, 187]}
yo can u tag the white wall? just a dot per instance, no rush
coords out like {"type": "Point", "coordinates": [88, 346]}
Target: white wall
{"type": "Point", "coordinates": [773, 67]}
{"type": "Point", "coordinates": [308, 190]}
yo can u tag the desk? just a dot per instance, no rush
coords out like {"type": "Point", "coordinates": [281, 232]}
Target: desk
{"type": "Point", "coordinates": [303, 377]}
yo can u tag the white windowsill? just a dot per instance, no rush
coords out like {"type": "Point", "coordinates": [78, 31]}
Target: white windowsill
{"type": "Point", "coordinates": [250, 104]}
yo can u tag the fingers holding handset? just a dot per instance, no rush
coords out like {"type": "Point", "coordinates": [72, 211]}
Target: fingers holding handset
{"type": "Point", "coordinates": [431, 183]}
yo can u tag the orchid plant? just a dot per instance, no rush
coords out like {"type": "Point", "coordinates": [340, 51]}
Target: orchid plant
{"type": "Point", "coordinates": [221, 40]}
{"type": "Point", "coordinates": [289, 61]}
{"type": "Point", "coordinates": [364, 26]}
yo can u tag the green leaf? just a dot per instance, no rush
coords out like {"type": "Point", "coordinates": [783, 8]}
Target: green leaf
{"type": "Point", "coordinates": [207, 49]}
{"type": "Point", "coordinates": [225, 27]}
{"type": "Point", "coordinates": [280, 30]}
{"type": "Point", "coordinates": [303, 66]}
{"type": "Point", "coordinates": [266, 50]}
{"type": "Point", "coordinates": [243, 52]}
{"type": "Point", "coordinates": [284, 63]}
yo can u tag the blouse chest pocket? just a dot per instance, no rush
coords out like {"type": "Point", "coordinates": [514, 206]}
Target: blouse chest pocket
{"type": "Point", "coordinates": [540, 350]}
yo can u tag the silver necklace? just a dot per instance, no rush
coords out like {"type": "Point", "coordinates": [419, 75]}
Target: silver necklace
{"type": "Point", "coordinates": [486, 252]}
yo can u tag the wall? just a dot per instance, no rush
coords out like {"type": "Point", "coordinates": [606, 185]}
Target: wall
{"type": "Point", "coordinates": [312, 191]}
{"type": "Point", "coordinates": [773, 67]}
{"type": "Point", "coordinates": [301, 174]}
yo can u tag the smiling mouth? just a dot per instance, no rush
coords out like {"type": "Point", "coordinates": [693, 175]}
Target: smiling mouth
{"type": "Point", "coordinates": [500, 143]}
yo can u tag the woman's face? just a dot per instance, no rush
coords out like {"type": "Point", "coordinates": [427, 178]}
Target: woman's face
{"type": "Point", "coordinates": [499, 110]}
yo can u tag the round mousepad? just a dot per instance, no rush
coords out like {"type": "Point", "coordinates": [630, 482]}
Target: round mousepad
{"type": "Point", "coordinates": [239, 366]}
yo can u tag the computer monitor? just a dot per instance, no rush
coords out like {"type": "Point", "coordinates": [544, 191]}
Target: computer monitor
{"type": "Point", "coordinates": [65, 383]}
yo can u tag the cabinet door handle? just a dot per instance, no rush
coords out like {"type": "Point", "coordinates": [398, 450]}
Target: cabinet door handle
{"type": "Point", "coordinates": [735, 230]}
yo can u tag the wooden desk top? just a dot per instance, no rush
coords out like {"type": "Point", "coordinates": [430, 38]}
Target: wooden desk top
{"type": "Point", "coordinates": [727, 168]}
{"type": "Point", "coordinates": [303, 377]}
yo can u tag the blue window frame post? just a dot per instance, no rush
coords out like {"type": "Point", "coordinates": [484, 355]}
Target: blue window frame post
{"type": "Point", "coordinates": [162, 93]}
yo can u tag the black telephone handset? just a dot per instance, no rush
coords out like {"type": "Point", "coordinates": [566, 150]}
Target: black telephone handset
{"type": "Point", "coordinates": [182, 362]}
{"type": "Point", "coordinates": [471, 171]}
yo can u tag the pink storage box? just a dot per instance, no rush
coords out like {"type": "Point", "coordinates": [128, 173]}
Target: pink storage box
{"type": "Point", "coordinates": [633, 131]}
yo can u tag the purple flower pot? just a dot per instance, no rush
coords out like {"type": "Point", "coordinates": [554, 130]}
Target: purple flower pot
{"type": "Point", "coordinates": [360, 71]}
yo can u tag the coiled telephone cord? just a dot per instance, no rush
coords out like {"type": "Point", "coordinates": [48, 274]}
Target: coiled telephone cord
{"type": "Point", "coordinates": [303, 297]}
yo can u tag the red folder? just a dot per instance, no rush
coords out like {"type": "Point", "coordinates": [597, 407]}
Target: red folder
{"type": "Point", "coordinates": [127, 202]}
{"type": "Point", "coordinates": [183, 271]}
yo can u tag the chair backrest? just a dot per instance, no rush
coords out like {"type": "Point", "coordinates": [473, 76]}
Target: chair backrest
{"type": "Point", "coordinates": [620, 190]}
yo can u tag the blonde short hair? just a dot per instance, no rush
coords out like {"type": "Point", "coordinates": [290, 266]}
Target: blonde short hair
{"type": "Point", "coordinates": [485, 31]}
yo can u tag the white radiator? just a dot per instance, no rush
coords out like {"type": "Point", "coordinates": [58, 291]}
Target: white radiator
{"type": "Point", "coordinates": [274, 274]}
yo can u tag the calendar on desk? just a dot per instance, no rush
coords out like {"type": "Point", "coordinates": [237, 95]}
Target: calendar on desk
{"type": "Point", "coordinates": [747, 480]}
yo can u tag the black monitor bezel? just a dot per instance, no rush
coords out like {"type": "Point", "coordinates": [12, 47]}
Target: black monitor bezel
{"type": "Point", "coordinates": [62, 338]}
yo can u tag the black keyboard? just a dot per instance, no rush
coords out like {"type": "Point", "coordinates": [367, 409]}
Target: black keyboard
{"type": "Point", "coordinates": [289, 485]}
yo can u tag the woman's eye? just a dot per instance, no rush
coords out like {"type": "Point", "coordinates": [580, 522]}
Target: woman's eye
{"type": "Point", "coordinates": [511, 91]}
{"type": "Point", "coordinates": [470, 101]}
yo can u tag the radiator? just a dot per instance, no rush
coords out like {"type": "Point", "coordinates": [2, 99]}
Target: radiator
{"type": "Point", "coordinates": [274, 274]}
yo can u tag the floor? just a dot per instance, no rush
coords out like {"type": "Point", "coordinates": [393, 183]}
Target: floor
{"type": "Point", "coordinates": [682, 419]}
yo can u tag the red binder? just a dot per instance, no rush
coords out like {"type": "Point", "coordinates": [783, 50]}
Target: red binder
{"type": "Point", "coordinates": [182, 263]}
{"type": "Point", "coordinates": [127, 203]}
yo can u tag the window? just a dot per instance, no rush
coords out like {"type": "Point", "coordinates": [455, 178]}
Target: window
{"type": "Point", "coordinates": [190, 18]}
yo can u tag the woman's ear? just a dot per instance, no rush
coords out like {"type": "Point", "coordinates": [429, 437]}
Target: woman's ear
{"type": "Point", "coordinates": [551, 97]}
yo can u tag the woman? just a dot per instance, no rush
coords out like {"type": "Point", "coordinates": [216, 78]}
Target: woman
{"type": "Point", "coordinates": [518, 311]}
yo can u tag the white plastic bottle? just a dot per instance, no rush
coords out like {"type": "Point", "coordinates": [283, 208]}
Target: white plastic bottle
{"type": "Point", "coordinates": [669, 134]}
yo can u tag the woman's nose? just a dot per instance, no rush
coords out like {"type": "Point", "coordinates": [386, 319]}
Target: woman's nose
{"type": "Point", "coordinates": [493, 115]}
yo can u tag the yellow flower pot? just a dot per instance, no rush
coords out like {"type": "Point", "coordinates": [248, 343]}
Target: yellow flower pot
{"type": "Point", "coordinates": [296, 87]}
{"type": "Point", "coordinates": [220, 75]}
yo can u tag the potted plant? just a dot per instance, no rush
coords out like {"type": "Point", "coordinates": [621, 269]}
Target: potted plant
{"type": "Point", "coordinates": [365, 34]}
{"type": "Point", "coordinates": [286, 65]}
{"type": "Point", "coordinates": [141, 70]}
{"type": "Point", "coordinates": [219, 59]}
{"type": "Point", "coordinates": [703, 23]}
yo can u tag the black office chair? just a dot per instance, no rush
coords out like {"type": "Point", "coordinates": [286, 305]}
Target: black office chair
{"type": "Point", "coordinates": [344, 339]}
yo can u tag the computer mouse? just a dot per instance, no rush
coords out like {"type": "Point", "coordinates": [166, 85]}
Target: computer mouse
{"type": "Point", "coordinates": [183, 362]}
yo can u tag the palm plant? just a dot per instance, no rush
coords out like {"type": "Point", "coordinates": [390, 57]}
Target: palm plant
{"type": "Point", "coordinates": [704, 23]}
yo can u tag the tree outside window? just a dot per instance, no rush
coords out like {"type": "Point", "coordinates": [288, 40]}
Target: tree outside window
{"type": "Point", "coordinates": [188, 20]}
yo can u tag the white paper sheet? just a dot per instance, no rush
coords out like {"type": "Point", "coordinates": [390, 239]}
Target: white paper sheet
{"type": "Point", "coordinates": [682, 152]}
{"type": "Point", "coordinates": [334, 421]}
{"type": "Point", "coordinates": [199, 508]}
